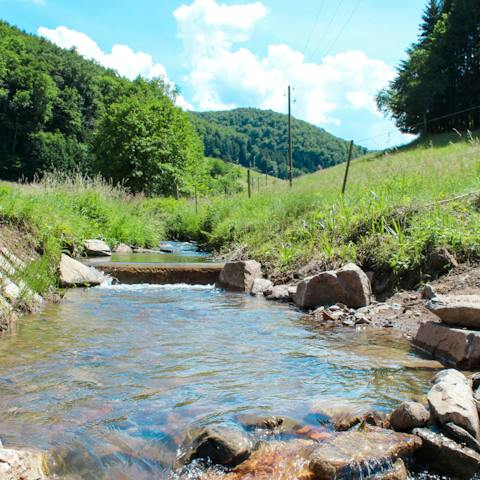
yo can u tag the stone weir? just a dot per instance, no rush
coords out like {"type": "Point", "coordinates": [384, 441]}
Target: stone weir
{"type": "Point", "coordinates": [163, 273]}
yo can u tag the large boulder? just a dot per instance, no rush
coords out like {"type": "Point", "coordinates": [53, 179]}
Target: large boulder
{"type": "Point", "coordinates": [348, 285]}
{"type": "Point", "coordinates": [76, 274]}
{"type": "Point", "coordinates": [239, 276]}
{"type": "Point", "coordinates": [358, 453]}
{"type": "Point", "coordinates": [409, 415]}
{"type": "Point", "coordinates": [22, 465]}
{"type": "Point", "coordinates": [451, 400]}
{"type": "Point", "coordinates": [220, 445]}
{"type": "Point", "coordinates": [446, 456]}
{"type": "Point", "coordinates": [260, 286]}
{"type": "Point", "coordinates": [97, 248]}
{"type": "Point", "coordinates": [459, 310]}
{"type": "Point", "coordinates": [454, 345]}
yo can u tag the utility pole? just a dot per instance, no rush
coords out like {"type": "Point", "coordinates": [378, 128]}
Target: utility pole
{"type": "Point", "coordinates": [290, 162]}
{"type": "Point", "coordinates": [350, 151]}
{"type": "Point", "coordinates": [249, 183]}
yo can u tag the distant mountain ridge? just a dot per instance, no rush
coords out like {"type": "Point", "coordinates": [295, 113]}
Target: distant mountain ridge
{"type": "Point", "coordinates": [250, 136]}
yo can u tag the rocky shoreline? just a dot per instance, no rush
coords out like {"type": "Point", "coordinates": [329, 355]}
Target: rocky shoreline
{"type": "Point", "coordinates": [442, 435]}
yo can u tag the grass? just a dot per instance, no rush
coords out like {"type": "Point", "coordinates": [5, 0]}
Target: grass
{"type": "Point", "coordinates": [60, 213]}
{"type": "Point", "coordinates": [387, 219]}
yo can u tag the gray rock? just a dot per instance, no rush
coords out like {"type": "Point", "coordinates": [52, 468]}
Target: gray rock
{"type": "Point", "coordinates": [451, 400]}
{"type": "Point", "coordinates": [445, 455]}
{"type": "Point", "coordinates": [461, 436]}
{"type": "Point", "coordinates": [97, 248]}
{"type": "Point", "coordinates": [260, 286]}
{"type": "Point", "coordinates": [123, 248]}
{"type": "Point", "coordinates": [239, 276]}
{"type": "Point", "coordinates": [441, 261]}
{"type": "Point", "coordinates": [460, 310]}
{"type": "Point", "coordinates": [279, 293]}
{"type": "Point", "coordinates": [11, 291]}
{"type": "Point", "coordinates": [221, 445]}
{"type": "Point", "coordinates": [269, 423]}
{"type": "Point", "coordinates": [349, 285]}
{"type": "Point", "coordinates": [76, 274]}
{"type": "Point", "coordinates": [409, 415]}
{"type": "Point", "coordinates": [453, 345]}
{"type": "Point", "coordinates": [428, 292]}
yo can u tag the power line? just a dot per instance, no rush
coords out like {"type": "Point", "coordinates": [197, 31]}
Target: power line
{"type": "Point", "coordinates": [322, 4]}
{"type": "Point", "coordinates": [344, 26]}
{"type": "Point", "coordinates": [328, 27]}
{"type": "Point", "coordinates": [420, 124]}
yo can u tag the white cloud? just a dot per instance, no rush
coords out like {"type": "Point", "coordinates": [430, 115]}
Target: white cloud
{"type": "Point", "coordinates": [223, 74]}
{"type": "Point", "coordinates": [122, 58]}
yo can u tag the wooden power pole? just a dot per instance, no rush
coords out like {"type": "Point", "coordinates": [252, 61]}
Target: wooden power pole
{"type": "Point", "coordinates": [350, 151]}
{"type": "Point", "coordinates": [290, 162]}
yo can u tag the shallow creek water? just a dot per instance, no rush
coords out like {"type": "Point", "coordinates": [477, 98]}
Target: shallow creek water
{"type": "Point", "coordinates": [108, 380]}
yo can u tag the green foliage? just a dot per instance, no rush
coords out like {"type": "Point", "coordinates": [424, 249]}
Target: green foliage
{"type": "Point", "coordinates": [61, 112]}
{"type": "Point", "coordinates": [258, 138]}
{"type": "Point", "coordinates": [441, 75]}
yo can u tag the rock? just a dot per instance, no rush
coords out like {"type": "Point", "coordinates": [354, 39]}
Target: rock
{"type": "Point", "coordinates": [22, 465]}
{"type": "Point", "coordinates": [11, 291]}
{"type": "Point", "coordinates": [76, 274]}
{"type": "Point", "coordinates": [221, 445]}
{"type": "Point", "coordinates": [475, 379]}
{"type": "Point", "coordinates": [239, 276]}
{"type": "Point", "coordinates": [292, 291]}
{"type": "Point", "coordinates": [451, 400]}
{"type": "Point", "coordinates": [165, 248]}
{"type": "Point", "coordinates": [359, 454]}
{"type": "Point", "coordinates": [409, 415]}
{"type": "Point", "coordinates": [260, 286]}
{"type": "Point", "coordinates": [12, 258]}
{"type": "Point", "coordinates": [279, 293]}
{"type": "Point", "coordinates": [350, 419]}
{"type": "Point", "coordinates": [441, 261]}
{"type": "Point", "coordinates": [398, 471]}
{"type": "Point", "coordinates": [97, 248]}
{"type": "Point", "coordinates": [461, 436]}
{"type": "Point", "coordinates": [349, 285]}
{"type": "Point", "coordinates": [6, 266]}
{"type": "Point", "coordinates": [453, 345]}
{"type": "Point", "coordinates": [123, 248]}
{"type": "Point", "coordinates": [428, 292]}
{"type": "Point", "coordinates": [271, 423]}
{"type": "Point", "coordinates": [459, 310]}
{"type": "Point", "coordinates": [446, 456]}
{"type": "Point", "coordinates": [311, 268]}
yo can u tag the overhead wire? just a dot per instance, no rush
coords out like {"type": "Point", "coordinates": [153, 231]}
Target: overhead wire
{"type": "Point", "coordinates": [315, 23]}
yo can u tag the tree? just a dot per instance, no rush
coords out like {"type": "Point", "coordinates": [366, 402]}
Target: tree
{"type": "Point", "coordinates": [147, 143]}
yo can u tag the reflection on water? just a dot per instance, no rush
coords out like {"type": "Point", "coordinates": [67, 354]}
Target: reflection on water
{"type": "Point", "coordinates": [109, 380]}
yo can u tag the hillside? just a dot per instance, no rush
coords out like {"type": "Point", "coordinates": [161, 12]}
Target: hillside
{"type": "Point", "coordinates": [259, 137]}
{"type": "Point", "coordinates": [392, 218]}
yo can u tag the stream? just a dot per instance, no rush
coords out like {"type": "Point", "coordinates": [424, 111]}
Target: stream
{"type": "Point", "coordinates": [110, 379]}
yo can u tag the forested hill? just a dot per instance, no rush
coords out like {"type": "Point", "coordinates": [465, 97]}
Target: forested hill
{"type": "Point", "coordinates": [259, 137]}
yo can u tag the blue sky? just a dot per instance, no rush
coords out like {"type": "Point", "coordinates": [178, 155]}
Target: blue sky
{"type": "Point", "coordinates": [228, 53]}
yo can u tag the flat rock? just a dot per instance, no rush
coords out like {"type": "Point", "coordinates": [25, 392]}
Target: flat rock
{"type": "Point", "coordinates": [461, 436]}
{"type": "Point", "coordinates": [348, 285]}
{"type": "Point", "coordinates": [260, 286]}
{"type": "Point", "coordinates": [451, 400]}
{"type": "Point", "coordinates": [221, 445]}
{"type": "Point", "coordinates": [97, 248]}
{"type": "Point", "coordinates": [446, 456]}
{"type": "Point", "coordinates": [453, 345]}
{"type": "Point", "coordinates": [76, 274]}
{"type": "Point", "coordinates": [358, 453]}
{"type": "Point", "coordinates": [239, 276]}
{"type": "Point", "coordinates": [22, 465]}
{"type": "Point", "coordinates": [458, 310]}
{"type": "Point", "coordinates": [409, 415]}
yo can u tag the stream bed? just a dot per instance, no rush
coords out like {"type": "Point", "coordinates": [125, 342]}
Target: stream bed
{"type": "Point", "coordinates": [109, 380]}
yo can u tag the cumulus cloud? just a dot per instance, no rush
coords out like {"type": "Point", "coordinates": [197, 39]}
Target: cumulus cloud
{"type": "Point", "coordinates": [223, 74]}
{"type": "Point", "coordinates": [122, 58]}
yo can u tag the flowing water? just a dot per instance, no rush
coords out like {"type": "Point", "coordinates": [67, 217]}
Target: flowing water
{"type": "Point", "coordinates": [109, 380]}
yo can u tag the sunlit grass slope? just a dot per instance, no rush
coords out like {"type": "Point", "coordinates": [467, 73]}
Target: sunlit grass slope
{"type": "Point", "coordinates": [388, 218]}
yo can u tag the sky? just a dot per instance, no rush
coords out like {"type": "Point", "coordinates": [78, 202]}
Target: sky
{"type": "Point", "coordinates": [336, 54]}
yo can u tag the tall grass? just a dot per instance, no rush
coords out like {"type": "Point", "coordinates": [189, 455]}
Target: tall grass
{"type": "Point", "coordinates": [388, 216]}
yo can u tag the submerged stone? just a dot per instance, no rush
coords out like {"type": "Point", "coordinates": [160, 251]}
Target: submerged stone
{"type": "Point", "coordinates": [22, 465]}
{"type": "Point", "coordinates": [361, 453]}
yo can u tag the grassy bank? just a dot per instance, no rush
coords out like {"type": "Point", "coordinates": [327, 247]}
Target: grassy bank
{"type": "Point", "coordinates": [58, 213]}
{"type": "Point", "coordinates": [389, 217]}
